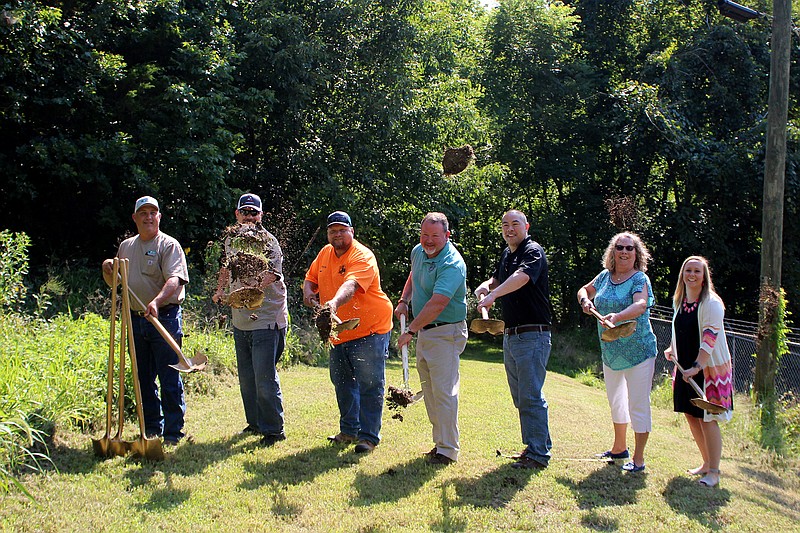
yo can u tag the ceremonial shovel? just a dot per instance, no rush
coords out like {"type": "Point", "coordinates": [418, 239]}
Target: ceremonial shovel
{"type": "Point", "coordinates": [486, 324]}
{"type": "Point", "coordinates": [614, 331]}
{"type": "Point", "coordinates": [404, 352]}
{"type": "Point", "coordinates": [194, 364]}
{"type": "Point", "coordinates": [701, 402]}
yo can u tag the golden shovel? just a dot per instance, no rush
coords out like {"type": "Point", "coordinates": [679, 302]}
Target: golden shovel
{"type": "Point", "coordinates": [701, 402]}
{"type": "Point", "coordinates": [101, 445]}
{"type": "Point", "coordinates": [185, 364]}
{"type": "Point", "coordinates": [614, 331]}
{"type": "Point", "coordinates": [340, 325]}
{"type": "Point", "coordinates": [486, 324]}
{"type": "Point", "coordinates": [143, 447]}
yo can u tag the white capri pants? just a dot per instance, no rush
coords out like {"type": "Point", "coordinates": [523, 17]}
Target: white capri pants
{"type": "Point", "coordinates": [628, 394]}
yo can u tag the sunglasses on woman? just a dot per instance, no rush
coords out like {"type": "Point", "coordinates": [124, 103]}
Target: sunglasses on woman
{"type": "Point", "coordinates": [621, 247]}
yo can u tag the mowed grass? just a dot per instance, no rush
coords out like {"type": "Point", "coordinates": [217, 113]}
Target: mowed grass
{"type": "Point", "coordinates": [224, 481]}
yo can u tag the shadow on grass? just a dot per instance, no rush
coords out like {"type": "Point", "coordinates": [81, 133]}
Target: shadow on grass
{"type": "Point", "coordinates": [394, 483]}
{"type": "Point", "coordinates": [188, 459]}
{"type": "Point", "coordinates": [295, 469]}
{"type": "Point", "coordinates": [605, 487]}
{"type": "Point", "coordinates": [484, 347]}
{"type": "Point", "coordinates": [494, 489]}
{"type": "Point", "coordinates": [449, 522]}
{"type": "Point", "coordinates": [698, 503]}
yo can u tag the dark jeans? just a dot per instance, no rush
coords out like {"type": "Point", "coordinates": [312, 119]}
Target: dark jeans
{"type": "Point", "coordinates": [163, 414]}
{"type": "Point", "coordinates": [257, 353]}
{"type": "Point", "coordinates": [357, 373]}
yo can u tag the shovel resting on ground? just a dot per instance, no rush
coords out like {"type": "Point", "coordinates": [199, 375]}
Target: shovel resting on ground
{"type": "Point", "coordinates": [486, 324]}
{"type": "Point", "coordinates": [101, 445]}
{"type": "Point", "coordinates": [143, 447]}
{"type": "Point", "coordinates": [701, 402]}
{"type": "Point", "coordinates": [185, 364]}
{"type": "Point", "coordinates": [614, 331]}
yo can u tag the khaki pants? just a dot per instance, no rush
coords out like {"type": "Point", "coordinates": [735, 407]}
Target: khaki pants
{"type": "Point", "coordinates": [438, 351]}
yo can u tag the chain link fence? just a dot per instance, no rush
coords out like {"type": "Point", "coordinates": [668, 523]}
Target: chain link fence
{"type": "Point", "coordinates": [741, 337]}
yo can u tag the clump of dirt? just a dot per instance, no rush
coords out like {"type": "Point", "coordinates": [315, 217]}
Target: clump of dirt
{"type": "Point", "coordinates": [397, 399]}
{"type": "Point", "coordinates": [457, 160]}
{"type": "Point", "coordinates": [246, 266]}
{"type": "Point", "coordinates": [249, 265]}
{"type": "Point", "coordinates": [322, 319]}
{"type": "Point", "coordinates": [623, 212]}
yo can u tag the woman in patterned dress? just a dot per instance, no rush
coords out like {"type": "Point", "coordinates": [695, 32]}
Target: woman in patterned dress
{"type": "Point", "coordinates": [700, 346]}
{"type": "Point", "coordinates": [622, 292]}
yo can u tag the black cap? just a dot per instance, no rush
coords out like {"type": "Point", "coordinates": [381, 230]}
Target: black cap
{"type": "Point", "coordinates": [249, 200]}
{"type": "Point", "coordinates": [339, 217]}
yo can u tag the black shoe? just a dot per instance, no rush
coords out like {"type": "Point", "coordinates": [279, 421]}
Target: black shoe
{"type": "Point", "coordinates": [431, 453]}
{"type": "Point", "coordinates": [528, 462]}
{"type": "Point", "coordinates": [611, 455]}
{"type": "Point", "coordinates": [364, 446]}
{"type": "Point", "coordinates": [440, 459]}
{"type": "Point", "coordinates": [250, 430]}
{"type": "Point", "coordinates": [269, 440]}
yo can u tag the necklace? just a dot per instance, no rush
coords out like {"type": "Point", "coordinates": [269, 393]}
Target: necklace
{"type": "Point", "coordinates": [618, 279]}
{"type": "Point", "coordinates": [689, 307]}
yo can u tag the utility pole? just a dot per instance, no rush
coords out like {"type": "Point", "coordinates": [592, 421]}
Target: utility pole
{"type": "Point", "coordinates": [772, 216]}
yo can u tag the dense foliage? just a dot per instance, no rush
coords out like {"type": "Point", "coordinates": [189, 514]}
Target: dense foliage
{"type": "Point", "coordinates": [349, 104]}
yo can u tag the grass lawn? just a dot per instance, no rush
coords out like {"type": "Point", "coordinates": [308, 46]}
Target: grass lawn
{"type": "Point", "coordinates": [224, 481]}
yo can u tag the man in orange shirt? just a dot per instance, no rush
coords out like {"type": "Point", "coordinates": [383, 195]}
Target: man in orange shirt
{"type": "Point", "coordinates": [345, 276]}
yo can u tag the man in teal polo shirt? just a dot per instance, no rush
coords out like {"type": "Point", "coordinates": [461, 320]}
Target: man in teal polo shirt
{"type": "Point", "coordinates": [437, 291]}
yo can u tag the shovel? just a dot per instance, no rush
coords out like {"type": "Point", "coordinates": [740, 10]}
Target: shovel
{"type": "Point", "coordinates": [117, 446]}
{"type": "Point", "coordinates": [404, 352]}
{"type": "Point", "coordinates": [101, 445]}
{"type": "Point", "coordinates": [486, 324]}
{"type": "Point", "coordinates": [701, 402]}
{"type": "Point", "coordinates": [185, 364]}
{"type": "Point", "coordinates": [614, 331]}
{"type": "Point", "coordinates": [340, 325]}
{"type": "Point", "coordinates": [143, 447]}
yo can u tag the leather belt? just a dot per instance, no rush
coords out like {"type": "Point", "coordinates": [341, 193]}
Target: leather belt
{"type": "Point", "coordinates": [525, 329]}
{"type": "Point", "coordinates": [437, 324]}
{"type": "Point", "coordinates": [168, 307]}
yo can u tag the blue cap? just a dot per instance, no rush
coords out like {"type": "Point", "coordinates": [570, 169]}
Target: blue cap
{"type": "Point", "coordinates": [339, 217]}
{"type": "Point", "coordinates": [143, 201]}
{"type": "Point", "coordinates": [249, 200]}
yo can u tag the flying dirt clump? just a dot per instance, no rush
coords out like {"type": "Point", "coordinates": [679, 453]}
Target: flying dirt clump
{"type": "Point", "coordinates": [250, 265]}
{"type": "Point", "coordinates": [457, 160]}
{"type": "Point", "coordinates": [397, 399]}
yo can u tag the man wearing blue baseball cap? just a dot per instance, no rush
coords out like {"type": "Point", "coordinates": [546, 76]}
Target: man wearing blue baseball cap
{"type": "Point", "coordinates": [158, 275]}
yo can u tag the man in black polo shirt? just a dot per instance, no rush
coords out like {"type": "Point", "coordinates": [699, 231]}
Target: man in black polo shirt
{"type": "Point", "coordinates": [520, 282]}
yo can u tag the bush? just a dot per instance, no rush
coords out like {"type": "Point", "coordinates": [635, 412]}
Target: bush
{"type": "Point", "coordinates": [13, 268]}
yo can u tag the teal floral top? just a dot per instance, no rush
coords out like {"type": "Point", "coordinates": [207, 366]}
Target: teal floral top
{"type": "Point", "coordinates": [611, 297]}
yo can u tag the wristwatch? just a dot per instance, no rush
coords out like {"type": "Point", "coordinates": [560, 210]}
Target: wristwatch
{"type": "Point", "coordinates": [697, 365]}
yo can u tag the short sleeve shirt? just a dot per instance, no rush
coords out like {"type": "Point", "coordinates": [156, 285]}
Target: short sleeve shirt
{"type": "Point", "coordinates": [613, 297]}
{"type": "Point", "coordinates": [370, 304]}
{"type": "Point", "coordinates": [274, 311]}
{"type": "Point", "coordinates": [445, 274]}
{"type": "Point", "coordinates": [530, 304]}
{"type": "Point", "coordinates": [152, 263]}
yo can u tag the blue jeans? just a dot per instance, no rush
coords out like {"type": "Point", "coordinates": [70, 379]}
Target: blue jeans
{"type": "Point", "coordinates": [163, 414]}
{"type": "Point", "coordinates": [257, 354]}
{"type": "Point", "coordinates": [525, 357]}
{"type": "Point", "coordinates": [357, 373]}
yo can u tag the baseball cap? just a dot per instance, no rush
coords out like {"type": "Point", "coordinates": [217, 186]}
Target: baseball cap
{"type": "Point", "coordinates": [249, 200]}
{"type": "Point", "coordinates": [339, 217]}
{"type": "Point", "coordinates": [145, 200]}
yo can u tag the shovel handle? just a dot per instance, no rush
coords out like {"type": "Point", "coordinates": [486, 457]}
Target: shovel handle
{"type": "Point", "coordinates": [484, 311]}
{"type": "Point", "coordinates": [404, 351]}
{"type": "Point", "coordinates": [607, 323]}
{"type": "Point", "coordinates": [161, 330]}
{"type": "Point", "coordinates": [690, 380]}
{"type": "Point", "coordinates": [126, 313]}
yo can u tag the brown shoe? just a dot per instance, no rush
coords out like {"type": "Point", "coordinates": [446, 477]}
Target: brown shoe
{"type": "Point", "coordinates": [440, 459]}
{"type": "Point", "coordinates": [527, 462]}
{"type": "Point", "coordinates": [431, 453]}
{"type": "Point", "coordinates": [342, 438]}
{"type": "Point", "coordinates": [364, 446]}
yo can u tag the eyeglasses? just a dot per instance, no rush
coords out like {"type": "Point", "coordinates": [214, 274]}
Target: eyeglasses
{"type": "Point", "coordinates": [620, 247]}
{"type": "Point", "coordinates": [248, 212]}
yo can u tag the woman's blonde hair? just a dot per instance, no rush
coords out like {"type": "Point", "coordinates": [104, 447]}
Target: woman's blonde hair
{"type": "Point", "coordinates": [642, 255]}
{"type": "Point", "coordinates": [680, 287]}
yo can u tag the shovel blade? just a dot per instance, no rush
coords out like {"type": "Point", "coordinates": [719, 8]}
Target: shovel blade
{"type": "Point", "coordinates": [100, 447]}
{"type": "Point", "coordinates": [712, 408]}
{"type": "Point", "coordinates": [118, 447]}
{"type": "Point", "coordinates": [417, 397]}
{"type": "Point", "coordinates": [193, 364]}
{"type": "Point", "coordinates": [478, 325]}
{"type": "Point", "coordinates": [346, 325]}
{"type": "Point", "coordinates": [621, 331]}
{"type": "Point", "coordinates": [149, 449]}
